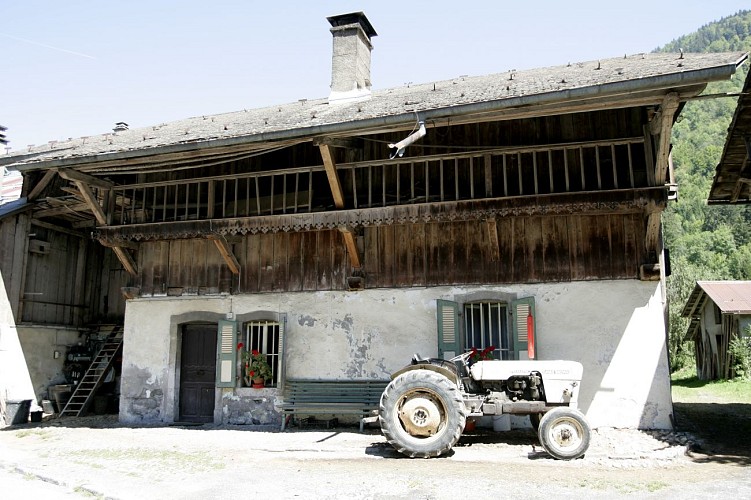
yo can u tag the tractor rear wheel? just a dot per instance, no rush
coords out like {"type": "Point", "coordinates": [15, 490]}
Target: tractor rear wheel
{"type": "Point", "coordinates": [422, 414]}
{"type": "Point", "coordinates": [564, 433]}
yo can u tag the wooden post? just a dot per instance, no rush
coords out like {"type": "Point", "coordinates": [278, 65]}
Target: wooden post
{"type": "Point", "coordinates": [336, 191]}
{"type": "Point", "coordinates": [349, 242]}
{"type": "Point", "coordinates": [667, 111]}
{"type": "Point", "coordinates": [226, 251]}
{"type": "Point", "coordinates": [330, 166]}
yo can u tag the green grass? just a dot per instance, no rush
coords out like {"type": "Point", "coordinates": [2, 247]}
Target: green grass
{"type": "Point", "coordinates": [687, 388]}
{"type": "Point", "coordinates": [42, 434]}
{"type": "Point", "coordinates": [141, 459]}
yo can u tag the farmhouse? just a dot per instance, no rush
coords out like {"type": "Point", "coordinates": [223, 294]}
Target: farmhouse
{"type": "Point", "coordinates": [339, 236]}
{"type": "Point", "coordinates": [719, 313]}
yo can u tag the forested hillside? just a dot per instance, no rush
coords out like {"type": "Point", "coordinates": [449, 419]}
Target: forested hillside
{"type": "Point", "coordinates": [705, 242]}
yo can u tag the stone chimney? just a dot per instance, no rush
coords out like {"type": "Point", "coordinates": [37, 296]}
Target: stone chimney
{"type": "Point", "coordinates": [350, 63]}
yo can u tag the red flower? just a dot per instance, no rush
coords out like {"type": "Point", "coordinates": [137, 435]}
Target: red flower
{"type": "Point", "coordinates": [251, 373]}
{"type": "Point", "coordinates": [255, 352]}
{"type": "Point", "coordinates": [240, 345]}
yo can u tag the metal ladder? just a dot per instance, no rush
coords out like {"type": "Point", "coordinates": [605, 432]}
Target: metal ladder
{"type": "Point", "coordinates": [84, 392]}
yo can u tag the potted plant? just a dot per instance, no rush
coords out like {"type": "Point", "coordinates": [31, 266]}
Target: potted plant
{"type": "Point", "coordinates": [256, 368]}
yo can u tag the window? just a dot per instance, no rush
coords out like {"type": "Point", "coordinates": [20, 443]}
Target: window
{"type": "Point", "coordinates": [717, 314]}
{"type": "Point", "coordinates": [264, 337]}
{"type": "Point", "coordinates": [485, 325]}
{"type": "Point", "coordinates": [509, 326]}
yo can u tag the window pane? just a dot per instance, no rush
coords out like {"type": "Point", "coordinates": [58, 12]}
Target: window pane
{"type": "Point", "coordinates": [486, 325]}
{"type": "Point", "coordinates": [263, 336]}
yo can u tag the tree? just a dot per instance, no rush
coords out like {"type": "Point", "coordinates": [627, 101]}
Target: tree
{"type": "Point", "coordinates": [705, 242]}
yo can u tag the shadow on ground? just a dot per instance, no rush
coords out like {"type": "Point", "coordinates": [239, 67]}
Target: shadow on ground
{"type": "Point", "coordinates": [724, 430]}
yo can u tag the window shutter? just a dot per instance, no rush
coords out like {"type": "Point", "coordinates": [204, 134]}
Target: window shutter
{"type": "Point", "coordinates": [525, 332]}
{"type": "Point", "coordinates": [282, 358]}
{"type": "Point", "coordinates": [449, 341]}
{"type": "Point", "coordinates": [226, 354]}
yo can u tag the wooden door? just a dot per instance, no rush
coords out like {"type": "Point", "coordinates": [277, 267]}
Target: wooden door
{"type": "Point", "coordinates": [197, 373]}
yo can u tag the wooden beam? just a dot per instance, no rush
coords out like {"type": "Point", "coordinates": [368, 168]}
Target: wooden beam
{"type": "Point", "coordinates": [666, 115]}
{"type": "Point", "coordinates": [75, 176]}
{"type": "Point", "coordinates": [43, 183]}
{"type": "Point", "coordinates": [80, 288]}
{"type": "Point", "coordinates": [653, 232]}
{"type": "Point", "coordinates": [637, 201]}
{"type": "Point", "coordinates": [351, 244]}
{"type": "Point", "coordinates": [338, 142]}
{"type": "Point", "coordinates": [120, 244]}
{"type": "Point", "coordinates": [488, 175]}
{"type": "Point", "coordinates": [495, 254]}
{"type": "Point", "coordinates": [126, 260]}
{"type": "Point", "coordinates": [93, 203]}
{"type": "Point", "coordinates": [226, 251]}
{"type": "Point", "coordinates": [70, 209]}
{"type": "Point", "coordinates": [330, 166]}
{"type": "Point", "coordinates": [59, 229]}
{"type": "Point", "coordinates": [649, 156]}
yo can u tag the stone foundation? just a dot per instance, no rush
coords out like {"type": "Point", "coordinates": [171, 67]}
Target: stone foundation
{"type": "Point", "coordinates": [247, 406]}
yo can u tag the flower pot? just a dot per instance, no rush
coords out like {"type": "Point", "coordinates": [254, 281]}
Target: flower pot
{"type": "Point", "coordinates": [258, 383]}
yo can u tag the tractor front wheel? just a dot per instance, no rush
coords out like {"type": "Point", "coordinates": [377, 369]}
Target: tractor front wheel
{"type": "Point", "coordinates": [564, 433]}
{"type": "Point", "coordinates": [422, 414]}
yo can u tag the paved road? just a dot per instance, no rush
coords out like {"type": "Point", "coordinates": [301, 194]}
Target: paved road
{"type": "Point", "coordinates": [220, 462]}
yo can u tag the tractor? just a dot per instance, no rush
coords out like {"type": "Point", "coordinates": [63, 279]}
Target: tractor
{"type": "Point", "coordinates": [424, 409]}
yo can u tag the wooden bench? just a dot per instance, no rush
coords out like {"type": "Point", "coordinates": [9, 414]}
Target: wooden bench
{"type": "Point", "coordinates": [335, 397]}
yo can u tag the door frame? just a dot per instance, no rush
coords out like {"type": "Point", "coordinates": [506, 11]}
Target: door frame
{"type": "Point", "coordinates": [172, 400]}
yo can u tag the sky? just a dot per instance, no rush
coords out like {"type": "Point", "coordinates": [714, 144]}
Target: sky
{"type": "Point", "coordinates": [75, 68]}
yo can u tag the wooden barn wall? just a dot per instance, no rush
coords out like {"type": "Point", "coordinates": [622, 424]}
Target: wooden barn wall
{"type": "Point", "coordinates": [108, 277]}
{"type": "Point", "coordinates": [62, 286]}
{"type": "Point", "coordinates": [268, 262]}
{"type": "Point", "coordinates": [9, 264]}
{"type": "Point", "coordinates": [531, 249]}
{"type": "Point", "coordinates": [51, 292]}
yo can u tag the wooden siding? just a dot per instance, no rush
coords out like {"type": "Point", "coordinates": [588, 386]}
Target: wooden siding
{"type": "Point", "coordinates": [530, 249]}
{"type": "Point", "coordinates": [269, 262]}
{"type": "Point", "coordinates": [75, 282]}
{"type": "Point", "coordinates": [70, 282]}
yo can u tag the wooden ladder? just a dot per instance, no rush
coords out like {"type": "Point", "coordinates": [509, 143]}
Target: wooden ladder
{"type": "Point", "coordinates": [84, 392]}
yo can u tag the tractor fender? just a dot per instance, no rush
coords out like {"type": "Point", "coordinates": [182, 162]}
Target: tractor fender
{"type": "Point", "coordinates": [427, 366]}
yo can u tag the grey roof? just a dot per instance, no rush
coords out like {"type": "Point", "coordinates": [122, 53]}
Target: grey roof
{"type": "Point", "coordinates": [622, 76]}
{"type": "Point", "coordinates": [14, 207]}
{"type": "Point", "coordinates": [729, 296]}
{"type": "Point", "coordinates": [730, 183]}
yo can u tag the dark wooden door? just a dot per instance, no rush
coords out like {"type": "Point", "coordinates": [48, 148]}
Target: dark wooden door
{"type": "Point", "coordinates": [197, 373]}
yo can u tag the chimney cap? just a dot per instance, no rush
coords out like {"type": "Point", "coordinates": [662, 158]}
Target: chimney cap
{"type": "Point", "coordinates": [353, 18]}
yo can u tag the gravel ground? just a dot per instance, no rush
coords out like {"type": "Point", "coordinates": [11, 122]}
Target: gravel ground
{"type": "Point", "coordinates": [98, 456]}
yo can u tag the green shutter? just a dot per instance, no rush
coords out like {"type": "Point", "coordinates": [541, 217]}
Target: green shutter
{"type": "Point", "coordinates": [282, 375]}
{"type": "Point", "coordinates": [449, 341]}
{"type": "Point", "coordinates": [226, 364]}
{"type": "Point", "coordinates": [523, 314]}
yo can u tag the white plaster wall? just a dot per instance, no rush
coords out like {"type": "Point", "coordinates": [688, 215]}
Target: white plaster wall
{"type": "Point", "coordinates": [15, 382]}
{"type": "Point", "coordinates": [39, 345]}
{"type": "Point", "coordinates": [615, 328]}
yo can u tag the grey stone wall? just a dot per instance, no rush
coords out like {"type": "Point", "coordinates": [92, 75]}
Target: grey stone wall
{"type": "Point", "coordinates": [248, 406]}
